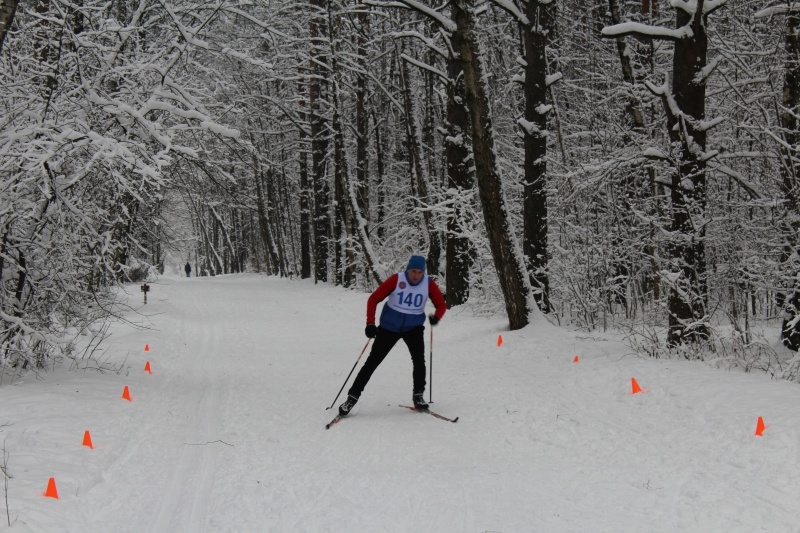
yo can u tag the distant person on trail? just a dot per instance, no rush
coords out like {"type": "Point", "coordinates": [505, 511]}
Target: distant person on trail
{"type": "Point", "coordinates": [403, 317]}
{"type": "Point", "coordinates": [188, 269]}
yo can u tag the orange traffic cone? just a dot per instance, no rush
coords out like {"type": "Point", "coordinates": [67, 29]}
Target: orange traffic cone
{"type": "Point", "coordinates": [760, 427]}
{"type": "Point", "coordinates": [126, 394]}
{"type": "Point", "coordinates": [576, 359]}
{"type": "Point", "coordinates": [52, 491]}
{"type": "Point", "coordinates": [635, 388]}
{"type": "Point", "coordinates": [147, 368]}
{"type": "Point", "coordinates": [146, 347]}
{"type": "Point", "coordinates": [499, 340]}
{"type": "Point", "coordinates": [87, 439]}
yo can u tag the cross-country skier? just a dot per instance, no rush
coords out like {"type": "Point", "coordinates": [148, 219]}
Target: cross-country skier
{"type": "Point", "coordinates": [403, 317]}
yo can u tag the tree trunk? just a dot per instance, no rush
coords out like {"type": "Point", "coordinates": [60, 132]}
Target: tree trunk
{"type": "Point", "coordinates": [7, 10]}
{"type": "Point", "coordinates": [507, 261]}
{"type": "Point", "coordinates": [45, 52]}
{"type": "Point", "coordinates": [3, 252]}
{"type": "Point", "coordinates": [319, 142]}
{"type": "Point", "coordinates": [420, 177]}
{"type": "Point", "coordinates": [461, 179]}
{"type": "Point", "coordinates": [688, 293]}
{"type": "Point", "coordinates": [379, 163]}
{"type": "Point", "coordinates": [342, 268]}
{"type": "Point", "coordinates": [633, 109]}
{"type": "Point", "coordinates": [632, 187]}
{"type": "Point", "coordinates": [685, 110]}
{"type": "Point", "coordinates": [287, 224]}
{"type": "Point", "coordinates": [537, 34]}
{"type": "Point", "coordinates": [228, 249]}
{"type": "Point", "coordinates": [270, 255]}
{"type": "Point", "coordinates": [352, 213]}
{"type": "Point", "coordinates": [790, 171]}
{"type": "Point", "coordinates": [362, 120]}
{"type": "Point", "coordinates": [275, 225]}
{"type": "Point", "coordinates": [344, 256]}
{"type": "Point", "coordinates": [305, 197]}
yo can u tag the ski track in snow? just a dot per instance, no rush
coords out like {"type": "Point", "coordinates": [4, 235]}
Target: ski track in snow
{"type": "Point", "coordinates": [228, 433]}
{"type": "Point", "coordinates": [186, 499]}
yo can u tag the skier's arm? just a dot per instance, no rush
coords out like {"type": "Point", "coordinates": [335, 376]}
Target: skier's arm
{"type": "Point", "coordinates": [379, 295]}
{"type": "Point", "coordinates": [435, 294]}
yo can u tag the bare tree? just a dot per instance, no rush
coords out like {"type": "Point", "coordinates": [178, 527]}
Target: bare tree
{"type": "Point", "coordinates": [537, 24]}
{"type": "Point", "coordinates": [789, 148]}
{"type": "Point", "coordinates": [319, 138]}
{"type": "Point", "coordinates": [684, 104]}
{"type": "Point", "coordinates": [461, 180]}
{"type": "Point", "coordinates": [507, 261]}
{"type": "Point", "coordinates": [421, 179]}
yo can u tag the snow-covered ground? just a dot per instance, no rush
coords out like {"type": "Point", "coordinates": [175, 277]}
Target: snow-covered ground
{"type": "Point", "coordinates": [228, 433]}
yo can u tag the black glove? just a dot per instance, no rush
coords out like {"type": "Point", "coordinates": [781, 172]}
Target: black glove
{"type": "Point", "coordinates": [433, 319]}
{"type": "Point", "coordinates": [370, 331]}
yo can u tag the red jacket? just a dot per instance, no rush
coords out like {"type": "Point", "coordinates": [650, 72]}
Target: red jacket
{"type": "Point", "coordinates": [394, 320]}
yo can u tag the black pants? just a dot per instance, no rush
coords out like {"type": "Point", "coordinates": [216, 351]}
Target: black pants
{"type": "Point", "coordinates": [384, 342]}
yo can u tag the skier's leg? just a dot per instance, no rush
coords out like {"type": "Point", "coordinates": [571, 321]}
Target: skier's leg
{"type": "Point", "coordinates": [384, 342]}
{"type": "Point", "coordinates": [415, 341]}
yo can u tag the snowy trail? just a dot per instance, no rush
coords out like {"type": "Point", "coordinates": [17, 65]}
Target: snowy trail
{"type": "Point", "coordinates": [186, 499]}
{"type": "Point", "coordinates": [228, 434]}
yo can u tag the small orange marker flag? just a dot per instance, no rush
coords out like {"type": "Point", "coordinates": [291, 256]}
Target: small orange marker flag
{"type": "Point", "coordinates": [87, 439]}
{"type": "Point", "coordinates": [499, 340]}
{"type": "Point", "coordinates": [147, 368]}
{"type": "Point", "coordinates": [635, 388]}
{"type": "Point", "coordinates": [126, 394]}
{"type": "Point", "coordinates": [146, 347]}
{"type": "Point", "coordinates": [52, 491]}
{"type": "Point", "coordinates": [760, 427]}
{"type": "Point", "coordinates": [576, 359]}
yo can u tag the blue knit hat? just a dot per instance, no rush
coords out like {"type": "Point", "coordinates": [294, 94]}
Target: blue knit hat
{"type": "Point", "coordinates": [417, 262]}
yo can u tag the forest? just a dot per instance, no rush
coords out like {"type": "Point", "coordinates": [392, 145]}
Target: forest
{"type": "Point", "coordinates": [603, 165]}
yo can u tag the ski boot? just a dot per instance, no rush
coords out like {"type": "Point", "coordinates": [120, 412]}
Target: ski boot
{"type": "Point", "coordinates": [348, 404]}
{"type": "Point", "coordinates": [419, 401]}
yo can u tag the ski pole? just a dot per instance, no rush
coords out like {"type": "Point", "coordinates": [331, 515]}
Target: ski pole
{"type": "Point", "coordinates": [351, 373]}
{"type": "Point", "coordinates": [430, 389]}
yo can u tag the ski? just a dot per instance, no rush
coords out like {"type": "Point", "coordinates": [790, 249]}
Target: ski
{"type": "Point", "coordinates": [437, 415]}
{"type": "Point", "coordinates": [332, 422]}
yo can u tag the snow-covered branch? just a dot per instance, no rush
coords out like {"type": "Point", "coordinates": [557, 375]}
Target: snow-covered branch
{"type": "Point", "coordinates": [428, 42]}
{"type": "Point", "coordinates": [781, 9]}
{"type": "Point", "coordinates": [424, 66]}
{"type": "Point", "coordinates": [647, 31]}
{"type": "Point", "coordinates": [512, 10]}
{"type": "Point", "coordinates": [432, 14]}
